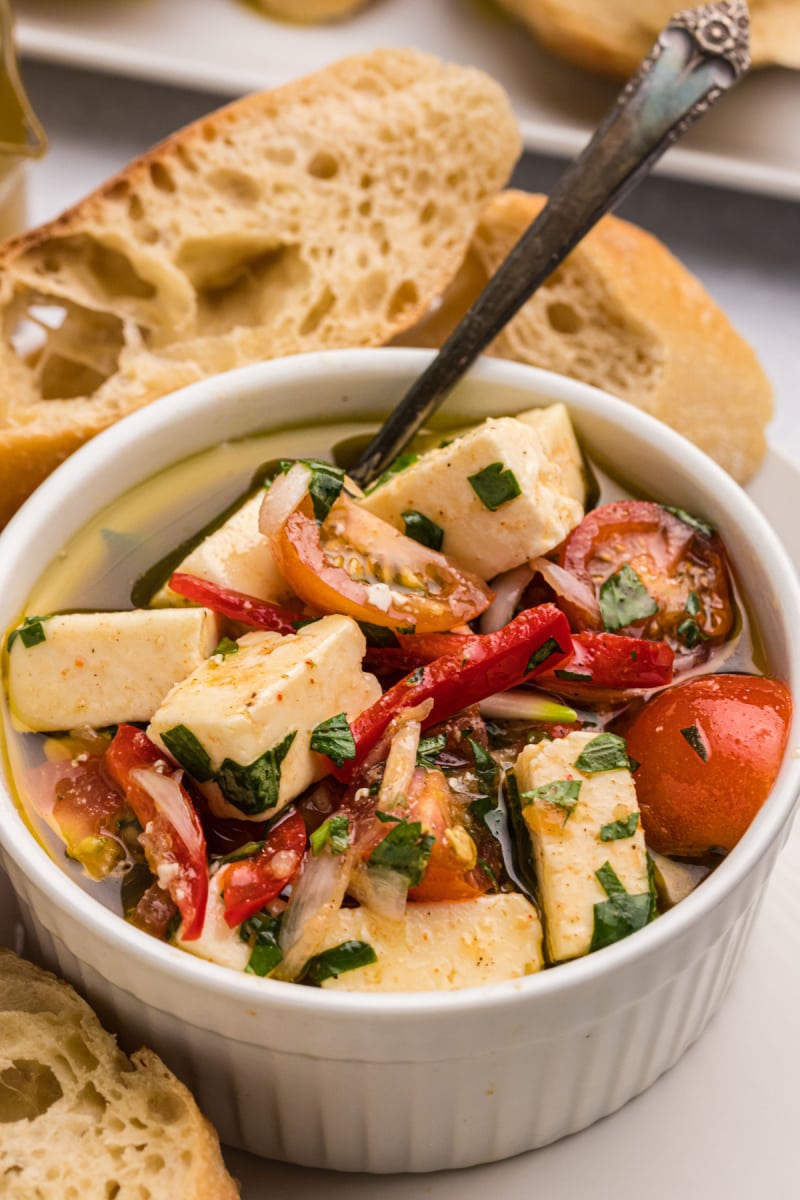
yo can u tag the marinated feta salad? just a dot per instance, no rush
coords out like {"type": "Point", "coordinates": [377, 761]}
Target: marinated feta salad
{"type": "Point", "coordinates": [447, 732]}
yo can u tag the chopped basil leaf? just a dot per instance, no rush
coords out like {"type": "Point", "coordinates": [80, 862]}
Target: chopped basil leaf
{"type": "Point", "coordinates": [695, 739]}
{"type": "Point", "coordinates": [253, 787]}
{"type": "Point", "coordinates": [422, 529]}
{"type": "Point", "coordinates": [187, 750]}
{"type": "Point", "coordinates": [262, 930]}
{"type": "Point", "coordinates": [430, 748]}
{"type": "Point", "coordinates": [621, 914]}
{"type": "Point", "coordinates": [494, 486]}
{"type": "Point", "coordinates": [330, 964]}
{"type": "Point", "coordinates": [624, 828]}
{"type": "Point", "coordinates": [408, 629]}
{"type": "Point", "coordinates": [30, 632]}
{"type": "Point", "coordinates": [334, 737]}
{"type": "Point", "coordinates": [563, 793]}
{"type": "Point", "coordinates": [336, 831]}
{"type": "Point", "coordinates": [416, 676]}
{"type": "Point", "coordinates": [399, 464]}
{"type": "Point", "coordinates": [687, 518]}
{"type": "Point", "coordinates": [693, 604]}
{"type": "Point", "coordinates": [386, 817]}
{"type": "Point", "coordinates": [301, 622]}
{"type": "Point", "coordinates": [227, 646]}
{"type": "Point", "coordinates": [576, 676]}
{"type": "Point", "coordinates": [172, 927]}
{"type": "Point", "coordinates": [606, 752]}
{"type": "Point", "coordinates": [690, 633]}
{"type": "Point", "coordinates": [487, 770]}
{"type": "Point", "coordinates": [377, 635]}
{"type": "Point", "coordinates": [324, 486]}
{"type": "Point", "coordinates": [624, 599]}
{"type": "Point", "coordinates": [405, 849]}
{"type": "Point", "coordinates": [544, 652]}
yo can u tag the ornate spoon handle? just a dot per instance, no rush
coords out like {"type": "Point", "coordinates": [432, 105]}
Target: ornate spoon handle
{"type": "Point", "coordinates": [699, 55]}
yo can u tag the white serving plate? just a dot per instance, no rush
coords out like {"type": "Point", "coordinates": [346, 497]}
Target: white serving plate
{"type": "Point", "coordinates": [723, 1119]}
{"type": "Point", "coordinates": [750, 141]}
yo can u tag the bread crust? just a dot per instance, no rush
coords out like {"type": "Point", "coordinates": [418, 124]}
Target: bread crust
{"type": "Point", "coordinates": [623, 314]}
{"type": "Point", "coordinates": [327, 213]}
{"type": "Point", "coordinates": [87, 1119]}
{"type": "Point", "coordinates": [311, 11]}
{"type": "Point", "coordinates": [614, 36]}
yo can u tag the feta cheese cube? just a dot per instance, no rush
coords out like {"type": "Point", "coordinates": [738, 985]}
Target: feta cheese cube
{"type": "Point", "coordinates": [557, 436]}
{"type": "Point", "coordinates": [441, 947]}
{"type": "Point", "coordinates": [105, 668]}
{"type": "Point", "coordinates": [237, 555]}
{"type": "Point", "coordinates": [567, 847]}
{"type": "Point", "coordinates": [494, 492]}
{"type": "Point", "coordinates": [248, 718]}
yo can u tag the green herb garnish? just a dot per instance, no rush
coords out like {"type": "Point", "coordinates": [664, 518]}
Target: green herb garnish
{"type": "Point", "coordinates": [494, 486]}
{"type": "Point", "coordinates": [378, 635]}
{"type": "Point", "coordinates": [695, 739]}
{"type": "Point", "coordinates": [324, 486]}
{"type": "Point", "coordinates": [226, 647]}
{"type": "Point", "coordinates": [430, 748]}
{"type": "Point", "coordinates": [606, 752]}
{"type": "Point", "coordinates": [30, 632]}
{"type": "Point", "coordinates": [399, 464]}
{"type": "Point", "coordinates": [422, 529]}
{"type": "Point", "coordinates": [624, 828]}
{"type": "Point", "coordinates": [262, 930]}
{"type": "Point", "coordinates": [624, 599]}
{"type": "Point", "coordinates": [687, 518]}
{"type": "Point", "coordinates": [544, 652]}
{"type": "Point", "coordinates": [188, 751]}
{"type": "Point", "coordinates": [573, 676]}
{"type": "Point", "coordinates": [335, 832]}
{"type": "Point", "coordinates": [334, 737]}
{"type": "Point", "coordinates": [330, 964]}
{"type": "Point", "coordinates": [405, 849]}
{"type": "Point", "coordinates": [248, 850]}
{"type": "Point", "coordinates": [690, 633]}
{"type": "Point", "coordinates": [621, 914]}
{"type": "Point", "coordinates": [254, 787]}
{"type": "Point", "coordinates": [563, 793]}
{"type": "Point", "coordinates": [693, 604]}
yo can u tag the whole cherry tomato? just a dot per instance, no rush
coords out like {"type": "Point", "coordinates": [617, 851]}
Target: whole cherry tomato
{"type": "Point", "coordinates": [708, 752]}
{"type": "Point", "coordinates": [655, 574]}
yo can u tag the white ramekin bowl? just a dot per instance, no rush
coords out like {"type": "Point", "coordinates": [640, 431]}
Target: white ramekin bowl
{"type": "Point", "coordinates": [411, 1082]}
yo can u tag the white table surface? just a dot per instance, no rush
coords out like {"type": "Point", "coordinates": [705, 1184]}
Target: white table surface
{"type": "Point", "coordinates": [746, 249]}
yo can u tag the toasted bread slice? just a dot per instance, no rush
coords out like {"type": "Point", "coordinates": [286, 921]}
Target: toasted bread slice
{"type": "Point", "coordinates": [615, 35]}
{"type": "Point", "coordinates": [78, 1118]}
{"type": "Point", "coordinates": [329, 212]}
{"type": "Point", "coordinates": [623, 314]}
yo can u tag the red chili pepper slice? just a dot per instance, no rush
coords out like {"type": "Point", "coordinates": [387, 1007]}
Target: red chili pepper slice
{"type": "Point", "coordinates": [173, 840]}
{"type": "Point", "coordinates": [251, 883]}
{"type": "Point", "coordinates": [482, 665]}
{"type": "Point", "coordinates": [237, 606]}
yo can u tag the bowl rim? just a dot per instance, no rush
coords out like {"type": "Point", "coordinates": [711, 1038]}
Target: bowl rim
{"type": "Point", "coordinates": [207, 394]}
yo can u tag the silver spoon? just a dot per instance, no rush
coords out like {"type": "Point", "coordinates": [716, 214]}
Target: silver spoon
{"type": "Point", "coordinates": [700, 54]}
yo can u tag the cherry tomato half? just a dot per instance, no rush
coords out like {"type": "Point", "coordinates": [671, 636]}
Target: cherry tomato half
{"type": "Point", "coordinates": [252, 882]}
{"type": "Point", "coordinates": [357, 564]}
{"type": "Point", "coordinates": [708, 752]}
{"type": "Point", "coordinates": [670, 581]}
{"type": "Point", "coordinates": [452, 872]}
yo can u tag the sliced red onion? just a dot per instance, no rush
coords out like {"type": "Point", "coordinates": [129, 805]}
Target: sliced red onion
{"type": "Point", "coordinates": [381, 890]}
{"type": "Point", "coordinates": [401, 760]}
{"type": "Point", "coordinates": [526, 705]}
{"type": "Point", "coordinates": [579, 594]}
{"type": "Point", "coordinates": [508, 589]}
{"type": "Point", "coordinates": [282, 498]}
{"type": "Point", "coordinates": [316, 898]}
{"type": "Point", "coordinates": [165, 792]}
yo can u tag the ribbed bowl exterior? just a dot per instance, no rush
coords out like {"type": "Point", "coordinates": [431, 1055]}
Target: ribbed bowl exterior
{"type": "Point", "coordinates": [564, 1066]}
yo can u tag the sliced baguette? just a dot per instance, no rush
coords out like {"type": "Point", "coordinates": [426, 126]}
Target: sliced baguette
{"type": "Point", "coordinates": [623, 314]}
{"type": "Point", "coordinates": [80, 1119]}
{"type": "Point", "coordinates": [614, 36]}
{"type": "Point", "coordinates": [310, 11]}
{"type": "Point", "coordinates": [329, 212]}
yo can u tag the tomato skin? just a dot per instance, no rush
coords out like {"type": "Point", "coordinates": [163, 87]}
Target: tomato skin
{"type": "Point", "coordinates": [690, 806]}
{"type": "Point", "coordinates": [312, 558]}
{"type": "Point", "coordinates": [674, 561]}
{"type": "Point", "coordinates": [251, 883]}
{"type": "Point", "coordinates": [132, 750]}
{"type": "Point", "coordinates": [237, 606]}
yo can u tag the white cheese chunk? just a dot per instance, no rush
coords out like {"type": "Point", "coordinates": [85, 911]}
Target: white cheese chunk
{"type": "Point", "coordinates": [218, 943]}
{"type": "Point", "coordinates": [441, 947]}
{"type": "Point", "coordinates": [246, 705]}
{"type": "Point", "coordinates": [237, 555]}
{"type": "Point", "coordinates": [479, 539]}
{"type": "Point", "coordinates": [567, 847]}
{"type": "Point", "coordinates": [105, 668]}
{"type": "Point", "coordinates": [557, 436]}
